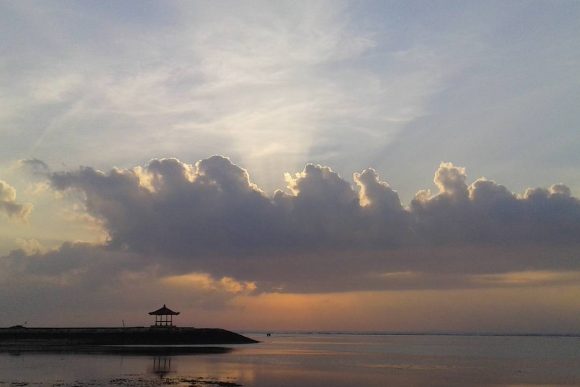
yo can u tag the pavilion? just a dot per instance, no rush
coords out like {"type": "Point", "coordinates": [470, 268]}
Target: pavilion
{"type": "Point", "coordinates": [163, 317]}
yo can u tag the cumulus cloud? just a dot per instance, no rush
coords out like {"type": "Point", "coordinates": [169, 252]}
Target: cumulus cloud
{"type": "Point", "coordinates": [451, 180]}
{"type": "Point", "coordinates": [375, 193]}
{"type": "Point", "coordinates": [487, 212]}
{"type": "Point", "coordinates": [213, 205]}
{"type": "Point", "coordinates": [208, 226]}
{"type": "Point", "coordinates": [174, 208]}
{"type": "Point", "coordinates": [8, 204]}
{"type": "Point", "coordinates": [319, 209]}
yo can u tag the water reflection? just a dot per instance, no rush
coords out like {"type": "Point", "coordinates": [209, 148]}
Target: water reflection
{"type": "Point", "coordinates": [161, 366]}
{"type": "Point", "coordinates": [310, 360]}
{"type": "Point", "coordinates": [121, 350]}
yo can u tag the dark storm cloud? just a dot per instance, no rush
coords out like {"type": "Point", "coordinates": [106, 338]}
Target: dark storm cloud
{"type": "Point", "coordinates": [323, 233]}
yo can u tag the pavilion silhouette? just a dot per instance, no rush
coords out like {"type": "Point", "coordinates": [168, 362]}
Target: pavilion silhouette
{"type": "Point", "coordinates": [163, 317]}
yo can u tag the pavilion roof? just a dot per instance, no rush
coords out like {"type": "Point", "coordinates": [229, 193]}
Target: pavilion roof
{"type": "Point", "coordinates": [163, 311]}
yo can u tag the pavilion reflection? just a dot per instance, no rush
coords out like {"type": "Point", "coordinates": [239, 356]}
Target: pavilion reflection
{"type": "Point", "coordinates": [161, 366]}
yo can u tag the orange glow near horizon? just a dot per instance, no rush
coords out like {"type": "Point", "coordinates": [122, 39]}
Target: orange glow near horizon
{"type": "Point", "coordinates": [526, 309]}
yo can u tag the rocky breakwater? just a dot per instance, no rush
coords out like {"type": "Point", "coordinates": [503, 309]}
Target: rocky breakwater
{"type": "Point", "coordinates": [166, 340]}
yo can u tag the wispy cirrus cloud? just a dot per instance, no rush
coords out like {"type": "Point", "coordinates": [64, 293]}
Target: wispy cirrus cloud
{"type": "Point", "coordinates": [272, 84]}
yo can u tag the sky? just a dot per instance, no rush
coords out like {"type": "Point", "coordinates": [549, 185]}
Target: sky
{"type": "Point", "coordinates": [383, 166]}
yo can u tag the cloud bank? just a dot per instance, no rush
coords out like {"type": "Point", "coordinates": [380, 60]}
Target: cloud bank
{"type": "Point", "coordinates": [206, 235]}
{"type": "Point", "coordinates": [322, 232]}
{"type": "Point", "coordinates": [175, 208]}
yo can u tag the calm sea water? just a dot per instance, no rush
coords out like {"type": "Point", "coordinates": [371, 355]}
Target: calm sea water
{"type": "Point", "coordinates": [320, 360]}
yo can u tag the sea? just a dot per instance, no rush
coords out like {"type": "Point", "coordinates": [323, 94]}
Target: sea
{"type": "Point", "coordinates": [319, 359]}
